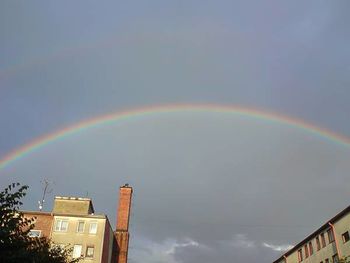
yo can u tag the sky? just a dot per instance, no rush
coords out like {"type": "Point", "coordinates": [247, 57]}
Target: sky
{"type": "Point", "coordinates": [207, 185]}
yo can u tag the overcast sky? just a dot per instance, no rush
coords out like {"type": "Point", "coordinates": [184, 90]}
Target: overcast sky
{"type": "Point", "coordinates": [208, 186]}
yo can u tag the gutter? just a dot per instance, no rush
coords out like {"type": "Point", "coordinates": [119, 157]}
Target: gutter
{"type": "Point", "coordinates": [335, 239]}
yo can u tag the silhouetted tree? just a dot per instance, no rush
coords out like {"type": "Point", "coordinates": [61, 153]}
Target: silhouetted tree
{"type": "Point", "coordinates": [344, 260]}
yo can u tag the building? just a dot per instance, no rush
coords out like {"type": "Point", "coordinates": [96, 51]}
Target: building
{"type": "Point", "coordinates": [73, 222]}
{"type": "Point", "coordinates": [327, 244]}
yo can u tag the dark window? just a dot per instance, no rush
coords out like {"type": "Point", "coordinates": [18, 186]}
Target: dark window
{"type": "Point", "coordinates": [300, 255]}
{"type": "Point", "coordinates": [306, 251]}
{"type": "Point", "coordinates": [330, 235]}
{"type": "Point", "coordinates": [90, 251]}
{"type": "Point", "coordinates": [318, 245]}
{"type": "Point", "coordinates": [323, 240]}
{"type": "Point", "coordinates": [80, 227]}
{"type": "Point", "coordinates": [311, 249]}
{"type": "Point", "coordinates": [345, 237]}
{"type": "Point", "coordinates": [335, 258]}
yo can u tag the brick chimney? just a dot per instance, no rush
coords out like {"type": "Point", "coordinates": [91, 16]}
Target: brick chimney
{"type": "Point", "coordinates": [123, 216]}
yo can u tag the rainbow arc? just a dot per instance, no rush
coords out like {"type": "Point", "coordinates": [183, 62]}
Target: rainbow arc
{"type": "Point", "coordinates": [165, 109]}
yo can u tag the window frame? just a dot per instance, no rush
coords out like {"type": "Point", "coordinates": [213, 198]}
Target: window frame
{"type": "Point", "coordinates": [306, 249]}
{"type": "Point", "coordinates": [311, 248]}
{"type": "Point", "coordinates": [58, 224]}
{"type": "Point", "coordinates": [323, 240]}
{"type": "Point", "coordinates": [34, 230]}
{"type": "Point", "coordinates": [93, 251]}
{"type": "Point", "coordinates": [344, 235]}
{"type": "Point", "coordinates": [318, 243]}
{"type": "Point", "coordinates": [300, 255]}
{"type": "Point", "coordinates": [330, 235]}
{"type": "Point", "coordinates": [77, 230]}
{"type": "Point", "coordinates": [335, 258]}
{"type": "Point", "coordinates": [90, 227]}
{"type": "Point", "coordinates": [81, 250]}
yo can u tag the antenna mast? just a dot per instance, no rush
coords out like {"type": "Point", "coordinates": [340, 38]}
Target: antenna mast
{"type": "Point", "coordinates": [46, 184]}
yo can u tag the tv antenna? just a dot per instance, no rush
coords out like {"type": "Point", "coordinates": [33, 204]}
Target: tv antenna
{"type": "Point", "coordinates": [46, 190]}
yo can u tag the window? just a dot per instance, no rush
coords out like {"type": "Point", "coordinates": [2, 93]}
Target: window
{"type": "Point", "coordinates": [318, 245]}
{"type": "Point", "coordinates": [34, 233]}
{"type": "Point", "coordinates": [323, 240]}
{"type": "Point", "coordinates": [330, 235]}
{"type": "Point", "coordinates": [77, 251]}
{"type": "Point", "coordinates": [345, 237]}
{"type": "Point", "coordinates": [335, 258]}
{"type": "Point", "coordinates": [93, 228]}
{"type": "Point", "coordinates": [80, 226]}
{"type": "Point", "coordinates": [300, 255]}
{"type": "Point", "coordinates": [61, 225]}
{"type": "Point", "coordinates": [90, 252]}
{"type": "Point", "coordinates": [311, 249]}
{"type": "Point", "coordinates": [306, 251]}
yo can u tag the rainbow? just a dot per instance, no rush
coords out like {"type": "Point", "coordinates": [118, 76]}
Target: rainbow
{"type": "Point", "coordinates": [164, 109]}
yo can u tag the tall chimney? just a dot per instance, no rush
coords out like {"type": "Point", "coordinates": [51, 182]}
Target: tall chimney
{"type": "Point", "coordinates": [123, 216]}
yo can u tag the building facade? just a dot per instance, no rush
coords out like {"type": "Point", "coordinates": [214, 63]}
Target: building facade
{"type": "Point", "coordinates": [327, 244]}
{"type": "Point", "coordinates": [73, 222]}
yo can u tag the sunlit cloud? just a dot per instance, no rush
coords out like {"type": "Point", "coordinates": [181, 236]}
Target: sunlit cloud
{"type": "Point", "coordinates": [175, 245]}
{"type": "Point", "coordinates": [147, 251]}
{"type": "Point", "coordinates": [279, 248]}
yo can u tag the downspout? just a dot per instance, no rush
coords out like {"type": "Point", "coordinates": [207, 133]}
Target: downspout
{"type": "Point", "coordinates": [52, 223]}
{"type": "Point", "coordinates": [335, 240]}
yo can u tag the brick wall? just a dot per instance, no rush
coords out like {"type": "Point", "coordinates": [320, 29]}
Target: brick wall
{"type": "Point", "coordinates": [42, 222]}
{"type": "Point", "coordinates": [123, 216]}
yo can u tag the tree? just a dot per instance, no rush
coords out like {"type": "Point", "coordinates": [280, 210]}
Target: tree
{"type": "Point", "coordinates": [15, 244]}
{"type": "Point", "coordinates": [344, 260]}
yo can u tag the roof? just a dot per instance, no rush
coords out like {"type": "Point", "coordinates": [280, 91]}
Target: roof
{"type": "Point", "coordinates": [63, 214]}
{"type": "Point", "coordinates": [315, 233]}
{"type": "Point", "coordinates": [72, 198]}
{"type": "Point", "coordinates": [36, 212]}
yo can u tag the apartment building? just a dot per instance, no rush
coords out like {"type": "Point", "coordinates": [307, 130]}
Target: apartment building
{"type": "Point", "coordinates": [73, 222]}
{"type": "Point", "coordinates": [327, 244]}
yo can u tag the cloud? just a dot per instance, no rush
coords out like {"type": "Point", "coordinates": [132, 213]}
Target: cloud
{"type": "Point", "coordinates": [177, 245]}
{"type": "Point", "coordinates": [241, 241]}
{"type": "Point", "coordinates": [278, 247]}
{"type": "Point", "coordinates": [148, 251]}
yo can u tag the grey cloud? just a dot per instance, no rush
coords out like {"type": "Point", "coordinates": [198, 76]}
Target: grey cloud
{"type": "Point", "coordinates": [241, 241]}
